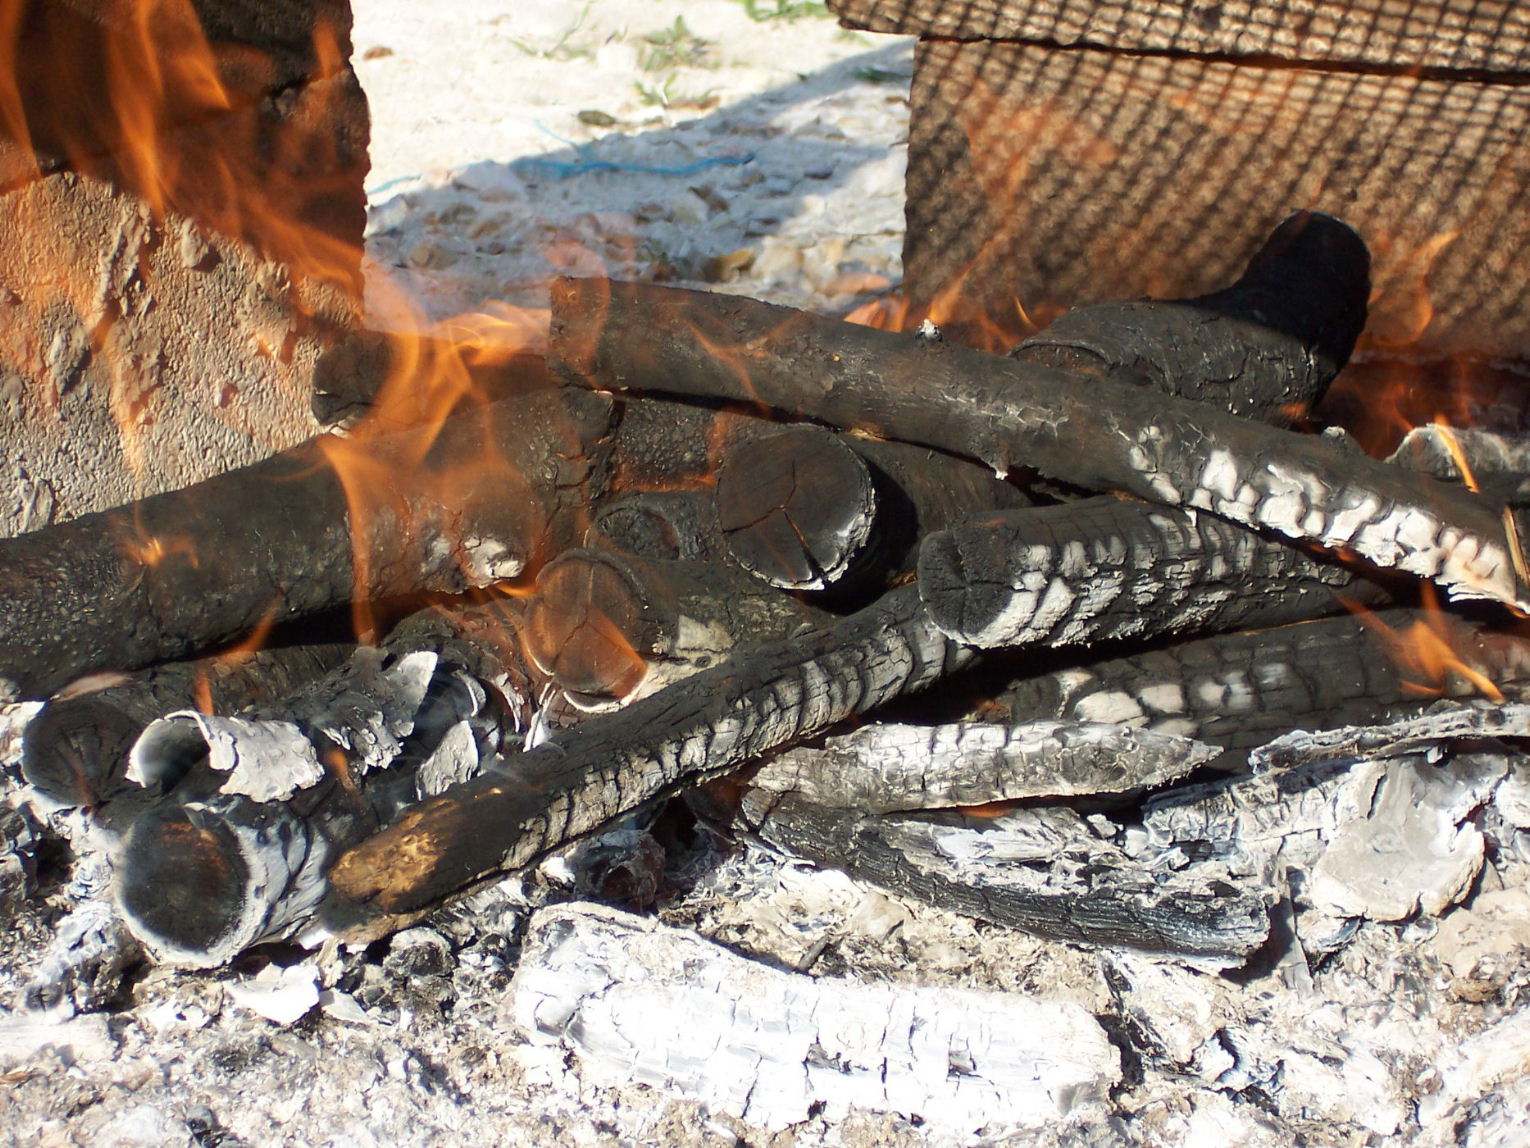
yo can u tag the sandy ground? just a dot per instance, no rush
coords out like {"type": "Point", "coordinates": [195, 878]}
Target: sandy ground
{"type": "Point", "coordinates": [652, 139]}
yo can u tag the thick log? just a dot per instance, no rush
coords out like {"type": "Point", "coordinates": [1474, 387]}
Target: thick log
{"type": "Point", "coordinates": [332, 521]}
{"type": "Point", "coordinates": [1097, 434]}
{"type": "Point", "coordinates": [1044, 873]}
{"type": "Point", "coordinates": [1106, 568]}
{"type": "Point", "coordinates": [1265, 348]}
{"type": "Point", "coordinates": [1242, 689]}
{"type": "Point", "coordinates": [698, 728]}
{"type": "Point", "coordinates": [607, 626]}
{"type": "Point", "coordinates": [74, 751]}
{"type": "Point", "coordinates": [1465, 34]}
{"type": "Point", "coordinates": [796, 506]}
{"type": "Point", "coordinates": [259, 803]}
{"type": "Point", "coordinates": [662, 524]}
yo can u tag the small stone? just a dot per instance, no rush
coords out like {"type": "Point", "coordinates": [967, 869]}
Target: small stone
{"type": "Point", "coordinates": [727, 268]}
{"type": "Point", "coordinates": [430, 256]}
{"type": "Point", "coordinates": [596, 118]}
{"type": "Point", "coordinates": [819, 171]}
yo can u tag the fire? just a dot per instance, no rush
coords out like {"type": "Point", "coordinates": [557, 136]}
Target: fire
{"type": "Point", "coordinates": [1432, 652]}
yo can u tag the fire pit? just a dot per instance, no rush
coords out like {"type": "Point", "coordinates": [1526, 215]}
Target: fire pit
{"type": "Point", "coordinates": [763, 725]}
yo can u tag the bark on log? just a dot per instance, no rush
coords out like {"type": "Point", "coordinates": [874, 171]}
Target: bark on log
{"type": "Point", "coordinates": [1265, 348]}
{"type": "Point", "coordinates": [184, 571]}
{"type": "Point", "coordinates": [1097, 434]}
{"type": "Point", "coordinates": [662, 524]}
{"type": "Point", "coordinates": [1049, 876]}
{"type": "Point", "coordinates": [75, 750]}
{"type": "Point", "coordinates": [606, 626]}
{"type": "Point", "coordinates": [701, 727]}
{"type": "Point", "coordinates": [1107, 568]}
{"type": "Point", "coordinates": [1240, 690]}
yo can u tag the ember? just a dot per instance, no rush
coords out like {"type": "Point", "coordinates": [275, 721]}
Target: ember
{"type": "Point", "coordinates": [1057, 739]}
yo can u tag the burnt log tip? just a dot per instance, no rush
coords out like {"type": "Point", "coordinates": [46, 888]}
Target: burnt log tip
{"type": "Point", "coordinates": [796, 506]}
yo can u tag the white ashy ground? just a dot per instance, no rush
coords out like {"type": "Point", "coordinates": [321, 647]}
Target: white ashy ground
{"type": "Point", "coordinates": [786, 185]}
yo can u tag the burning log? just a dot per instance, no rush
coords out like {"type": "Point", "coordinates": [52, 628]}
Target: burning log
{"type": "Point", "coordinates": [1095, 433]}
{"type": "Point", "coordinates": [807, 509]}
{"type": "Point", "coordinates": [606, 626]}
{"type": "Point", "coordinates": [75, 750]}
{"type": "Point", "coordinates": [701, 727]}
{"type": "Point", "coordinates": [1109, 568]}
{"type": "Point", "coordinates": [1240, 690]}
{"type": "Point", "coordinates": [663, 524]}
{"type": "Point", "coordinates": [1265, 348]}
{"type": "Point", "coordinates": [184, 571]}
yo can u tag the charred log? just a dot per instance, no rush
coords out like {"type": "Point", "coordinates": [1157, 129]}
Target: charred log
{"type": "Point", "coordinates": [184, 571]}
{"type": "Point", "coordinates": [1265, 348]}
{"type": "Point", "coordinates": [1042, 872]}
{"type": "Point", "coordinates": [605, 625]}
{"type": "Point", "coordinates": [1240, 690]}
{"type": "Point", "coordinates": [75, 751]}
{"type": "Point", "coordinates": [889, 768]}
{"type": "Point", "coordinates": [662, 524]}
{"type": "Point", "coordinates": [701, 727]}
{"type": "Point", "coordinates": [1095, 433]}
{"type": "Point", "coordinates": [1109, 568]}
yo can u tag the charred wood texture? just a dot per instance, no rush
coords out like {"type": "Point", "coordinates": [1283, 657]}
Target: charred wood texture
{"type": "Point", "coordinates": [663, 524]}
{"type": "Point", "coordinates": [890, 768]}
{"type": "Point", "coordinates": [184, 571]}
{"type": "Point", "coordinates": [796, 506]}
{"type": "Point", "coordinates": [604, 625]}
{"type": "Point", "coordinates": [1240, 690]}
{"type": "Point", "coordinates": [1053, 878]}
{"type": "Point", "coordinates": [1094, 433]}
{"type": "Point", "coordinates": [701, 727]}
{"type": "Point", "coordinates": [75, 749]}
{"type": "Point", "coordinates": [1265, 348]}
{"type": "Point", "coordinates": [252, 807]}
{"type": "Point", "coordinates": [1108, 568]}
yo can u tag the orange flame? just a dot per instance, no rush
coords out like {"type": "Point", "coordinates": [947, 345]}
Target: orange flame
{"type": "Point", "coordinates": [1431, 650]}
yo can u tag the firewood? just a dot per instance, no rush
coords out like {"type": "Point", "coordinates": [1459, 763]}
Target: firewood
{"type": "Point", "coordinates": [1039, 870]}
{"type": "Point", "coordinates": [75, 749]}
{"type": "Point", "coordinates": [258, 803]}
{"type": "Point", "coordinates": [796, 506]}
{"type": "Point", "coordinates": [700, 727]}
{"type": "Point", "coordinates": [185, 571]}
{"type": "Point", "coordinates": [1095, 433]}
{"type": "Point", "coordinates": [663, 524]}
{"type": "Point", "coordinates": [1265, 348]}
{"type": "Point", "coordinates": [892, 768]}
{"type": "Point", "coordinates": [1241, 689]}
{"type": "Point", "coordinates": [1108, 568]}
{"type": "Point", "coordinates": [607, 626]}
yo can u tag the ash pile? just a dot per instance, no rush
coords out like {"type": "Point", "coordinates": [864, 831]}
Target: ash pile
{"type": "Point", "coordinates": [788, 732]}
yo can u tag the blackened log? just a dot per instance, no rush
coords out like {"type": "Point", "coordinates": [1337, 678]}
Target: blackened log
{"type": "Point", "coordinates": [405, 380]}
{"type": "Point", "coordinates": [607, 626]}
{"type": "Point", "coordinates": [1107, 568]}
{"type": "Point", "coordinates": [1094, 433]}
{"type": "Point", "coordinates": [663, 524]}
{"type": "Point", "coordinates": [890, 768]}
{"type": "Point", "coordinates": [75, 749]}
{"type": "Point", "coordinates": [796, 506]}
{"type": "Point", "coordinates": [1423, 733]}
{"type": "Point", "coordinates": [1240, 690]}
{"type": "Point", "coordinates": [259, 803]}
{"type": "Point", "coordinates": [698, 728]}
{"type": "Point", "coordinates": [1050, 876]}
{"type": "Point", "coordinates": [478, 500]}
{"type": "Point", "coordinates": [1265, 348]}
